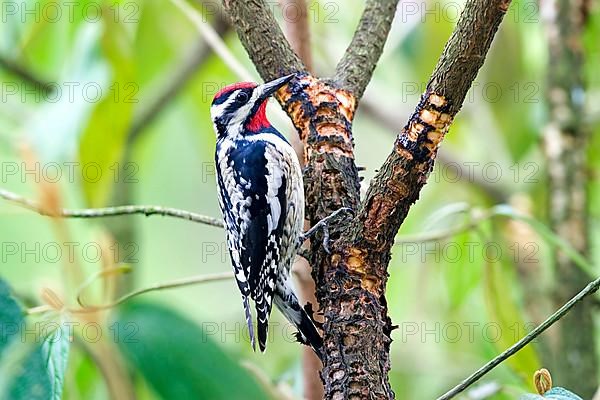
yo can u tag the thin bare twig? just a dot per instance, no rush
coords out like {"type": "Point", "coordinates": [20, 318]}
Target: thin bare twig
{"type": "Point", "coordinates": [111, 211]}
{"type": "Point", "coordinates": [219, 276]}
{"type": "Point", "coordinates": [591, 288]}
{"type": "Point", "coordinates": [85, 308]}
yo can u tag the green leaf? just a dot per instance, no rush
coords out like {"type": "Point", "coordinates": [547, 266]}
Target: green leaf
{"type": "Point", "coordinates": [511, 326]}
{"type": "Point", "coordinates": [55, 350]}
{"type": "Point", "coordinates": [177, 358]}
{"type": "Point", "coordinates": [103, 140]}
{"type": "Point", "coordinates": [23, 375]}
{"type": "Point", "coordinates": [10, 313]}
{"type": "Point", "coordinates": [556, 393]}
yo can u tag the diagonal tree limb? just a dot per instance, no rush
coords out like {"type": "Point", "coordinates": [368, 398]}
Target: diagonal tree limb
{"type": "Point", "coordinates": [353, 72]}
{"type": "Point", "coordinates": [397, 185]}
{"type": "Point", "coordinates": [263, 39]}
{"type": "Point", "coordinates": [496, 192]}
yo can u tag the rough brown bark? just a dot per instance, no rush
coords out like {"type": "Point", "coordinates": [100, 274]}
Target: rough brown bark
{"type": "Point", "coordinates": [566, 139]}
{"type": "Point", "coordinates": [391, 121]}
{"type": "Point", "coordinates": [323, 115]}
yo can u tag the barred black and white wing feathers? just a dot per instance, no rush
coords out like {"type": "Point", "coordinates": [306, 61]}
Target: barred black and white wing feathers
{"type": "Point", "coordinates": [255, 208]}
{"type": "Point", "coordinates": [226, 179]}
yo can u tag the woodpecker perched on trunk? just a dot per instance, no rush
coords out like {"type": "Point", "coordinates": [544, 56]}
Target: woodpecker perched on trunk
{"type": "Point", "coordinates": [261, 196]}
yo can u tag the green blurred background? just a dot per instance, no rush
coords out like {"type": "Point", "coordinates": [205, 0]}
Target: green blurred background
{"type": "Point", "coordinates": [457, 301]}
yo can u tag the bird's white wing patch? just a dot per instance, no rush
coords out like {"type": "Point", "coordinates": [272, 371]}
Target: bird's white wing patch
{"type": "Point", "coordinates": [274, 180]}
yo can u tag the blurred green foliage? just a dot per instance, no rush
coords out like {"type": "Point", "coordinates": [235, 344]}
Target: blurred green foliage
{"type": "Point", "coordinates": [193, 357]}
{"type": "Point", "coordinates": [457, 300]}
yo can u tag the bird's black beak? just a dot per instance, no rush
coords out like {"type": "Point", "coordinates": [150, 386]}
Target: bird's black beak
{"type": "Point", "coordinates": [267, 89]}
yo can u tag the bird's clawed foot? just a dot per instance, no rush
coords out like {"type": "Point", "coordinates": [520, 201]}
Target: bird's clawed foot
{"type": "Point", "coordinates": [324, 225]}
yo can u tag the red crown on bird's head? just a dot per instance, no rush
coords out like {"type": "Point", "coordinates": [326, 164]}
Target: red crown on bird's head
{"type": "Point", "coordinates": [235, 86]}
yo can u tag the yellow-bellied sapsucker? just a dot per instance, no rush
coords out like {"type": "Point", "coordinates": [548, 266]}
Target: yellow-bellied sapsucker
{"type": "Point", "coordinates": [261, 196]}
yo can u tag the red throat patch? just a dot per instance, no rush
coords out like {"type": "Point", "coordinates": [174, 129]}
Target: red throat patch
{"type": "Point", "coordinates": [259, 120]}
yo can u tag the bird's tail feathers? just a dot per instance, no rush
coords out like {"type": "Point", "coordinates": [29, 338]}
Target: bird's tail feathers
{"type": "Point", "coordinates": [288, 304]}
{"type": "Point", "coordinates": [262, 323]}
{"type": "Point", "coordinates": [249, 321]}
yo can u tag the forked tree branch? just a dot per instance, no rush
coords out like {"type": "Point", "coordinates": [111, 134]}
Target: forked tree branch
{"type": "Point", "coordinates": [351, 281]}
{"type": "Point", "coordinates": [354, 71]}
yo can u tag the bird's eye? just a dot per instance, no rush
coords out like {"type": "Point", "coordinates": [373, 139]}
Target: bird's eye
{"type": "Point", "coordinates": [241, 98]}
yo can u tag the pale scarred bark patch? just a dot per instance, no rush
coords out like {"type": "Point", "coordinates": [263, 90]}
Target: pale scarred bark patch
{"type": "Point", "coordinates": [320, 112]}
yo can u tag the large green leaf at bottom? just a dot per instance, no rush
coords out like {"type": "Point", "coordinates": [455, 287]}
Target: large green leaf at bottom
{"type": "Point", "coordinates": [556, 393]}
{"type": "Point", "coordinates": [29, 370]}
{"type": "Point", "coordinates": [55, 350]}
{"type": "Point", "coordinates": [177, 359]}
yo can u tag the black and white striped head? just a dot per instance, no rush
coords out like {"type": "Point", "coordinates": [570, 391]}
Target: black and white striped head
{"type": "Point", "coordinates": [240, 108]}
